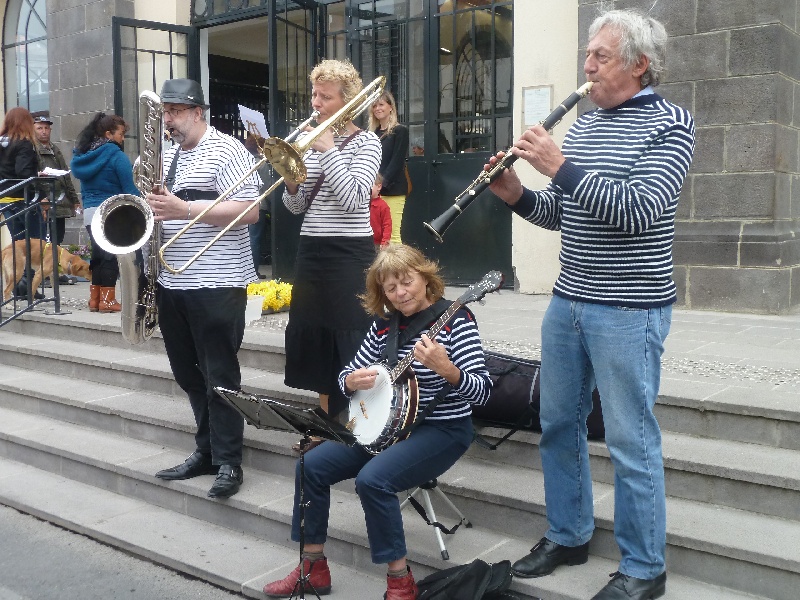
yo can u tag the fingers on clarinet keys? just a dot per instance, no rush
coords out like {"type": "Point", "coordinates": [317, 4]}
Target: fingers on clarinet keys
{"type": "Point", "coordinates": [197, 464]}
{"type": "Point", "coordinates": [546, 556]}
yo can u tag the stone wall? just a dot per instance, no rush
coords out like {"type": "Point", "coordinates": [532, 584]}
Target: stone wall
{"type": "Point", "coordinates": [79, 50]}
{"type": "Point", "coordinates": [735, 64]}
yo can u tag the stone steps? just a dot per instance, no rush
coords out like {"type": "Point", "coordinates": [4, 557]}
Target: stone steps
{"type": "Point", "coordinates": [237, 561]}
{"type": "Point", "coordinates": [74, 397]}
{"type": "Point", "coordinates": [84, 458]}
{"type": "Point", "coordinates": [765, 478]}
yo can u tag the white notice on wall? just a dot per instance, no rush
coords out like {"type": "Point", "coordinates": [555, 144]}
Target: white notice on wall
{"type": "Point", "coordinates": [536, 104]}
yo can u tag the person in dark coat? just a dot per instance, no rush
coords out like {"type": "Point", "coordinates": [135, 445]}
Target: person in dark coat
{"type": "Point", "coordinates": [18, 162]}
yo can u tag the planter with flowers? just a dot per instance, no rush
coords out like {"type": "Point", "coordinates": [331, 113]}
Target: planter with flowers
{"type": "Point", "coordinates": [82, 250]}
{"type": "Point", "coordinates": [277, 295]}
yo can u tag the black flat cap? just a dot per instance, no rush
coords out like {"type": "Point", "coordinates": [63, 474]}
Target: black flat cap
{"type": "Point", "coordinates": [183, 91]}
{"type": "Point", "coordinates": [41, 117]}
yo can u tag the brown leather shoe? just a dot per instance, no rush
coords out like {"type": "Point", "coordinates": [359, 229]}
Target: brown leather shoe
{"type": "Point", "coordinates": [401, 588]}
{"type": "Point", "coordinates": [319, 577]}
{"type": "Point", "coordinates": [108, 303]}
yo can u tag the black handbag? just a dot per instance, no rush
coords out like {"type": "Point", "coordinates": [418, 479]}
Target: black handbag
{"type": "Point", "coordinates": [514, 399]}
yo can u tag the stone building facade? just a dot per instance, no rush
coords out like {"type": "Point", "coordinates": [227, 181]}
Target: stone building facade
{"type": "Point", "coordinates": [735, 64]}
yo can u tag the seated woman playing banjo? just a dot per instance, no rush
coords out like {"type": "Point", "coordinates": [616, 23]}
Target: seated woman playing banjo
{"type": "Point", "coordinates": [449, 369]}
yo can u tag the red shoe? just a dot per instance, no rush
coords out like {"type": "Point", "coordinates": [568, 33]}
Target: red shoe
{"type": "Point", "coordinates": [319, 577]}
{"type": "Point", "coordinates": [401, 588]}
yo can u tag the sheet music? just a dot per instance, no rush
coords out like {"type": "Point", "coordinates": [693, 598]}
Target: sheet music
{"type": "Point", "coordinates": [253, 121]}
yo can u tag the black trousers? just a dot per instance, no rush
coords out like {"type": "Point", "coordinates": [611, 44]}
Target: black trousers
{"type": "Point", "coordinates": [203, 330]}
{"type": "Point", "coordinates": [104, 265]}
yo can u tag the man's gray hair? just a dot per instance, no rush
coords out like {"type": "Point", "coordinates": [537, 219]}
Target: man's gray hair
{"type": "Point", "coordinates": [638, 35]}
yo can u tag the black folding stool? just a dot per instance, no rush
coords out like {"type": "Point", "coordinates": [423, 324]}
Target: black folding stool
{"type": "Point", "coordinates": [429, 515]}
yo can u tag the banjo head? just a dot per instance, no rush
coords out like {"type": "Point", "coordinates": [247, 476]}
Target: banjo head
{"type": "Point", "coordinates": [377, 414]}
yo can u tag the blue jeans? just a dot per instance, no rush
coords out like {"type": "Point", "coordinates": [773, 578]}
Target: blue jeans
{"type": "Point", "coordinates": [433, 448]}
{"type": "Point", "coordinates": [619, 350]}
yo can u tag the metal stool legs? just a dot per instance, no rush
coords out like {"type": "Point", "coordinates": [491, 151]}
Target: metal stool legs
{"type": "Point", "coordinates": [424, 490]}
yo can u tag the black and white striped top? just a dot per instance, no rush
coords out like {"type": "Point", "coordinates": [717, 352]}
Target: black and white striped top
{"type": "Point", "coordinates": [614, 200]}
{"type": "Point", "coordinates": [341, 206]}
{"type": "Point", "coordinates": [215, 164]}
{"type": "Point", "coordinates": [463, 344]}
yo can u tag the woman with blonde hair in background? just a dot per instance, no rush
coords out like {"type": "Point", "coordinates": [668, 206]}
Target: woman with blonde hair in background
{"type": "Point", "coordinates": [394, 150]}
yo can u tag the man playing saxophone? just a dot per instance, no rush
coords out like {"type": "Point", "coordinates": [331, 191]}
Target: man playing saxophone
{"type": "Point", "coordinates": [201, 310]}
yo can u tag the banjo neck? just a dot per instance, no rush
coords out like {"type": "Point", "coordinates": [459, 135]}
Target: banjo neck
{"type": "Point", "coordinates": [406, 361]}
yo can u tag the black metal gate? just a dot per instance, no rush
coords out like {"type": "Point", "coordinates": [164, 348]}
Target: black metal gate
{"type": "Point", "coordinates": [145, 55]}
{"type": "Point", "coordinates": [449, 67]}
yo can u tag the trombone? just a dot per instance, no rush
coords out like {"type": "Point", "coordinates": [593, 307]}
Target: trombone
{"type": "Point", "coordinates": [286, 157]}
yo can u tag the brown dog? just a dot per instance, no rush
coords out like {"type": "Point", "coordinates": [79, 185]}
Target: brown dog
{"type": "Point", "coordinates": [13, 257]}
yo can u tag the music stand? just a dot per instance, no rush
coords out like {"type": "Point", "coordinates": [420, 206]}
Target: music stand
{"type": "Point", "coordinates": [266, 413]}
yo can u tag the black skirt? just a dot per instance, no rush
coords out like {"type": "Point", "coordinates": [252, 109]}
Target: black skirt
{"type": "Point", "coordinates": [327, 323]}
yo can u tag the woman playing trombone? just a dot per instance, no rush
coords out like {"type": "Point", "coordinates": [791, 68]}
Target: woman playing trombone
{"type": "Point", "coordinates": [326, 320]}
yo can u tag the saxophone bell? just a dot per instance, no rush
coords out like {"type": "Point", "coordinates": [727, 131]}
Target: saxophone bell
{"type": "Point", "coordinates": [124, 225]}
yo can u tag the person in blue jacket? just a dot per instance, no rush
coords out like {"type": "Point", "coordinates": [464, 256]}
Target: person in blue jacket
{"type": "Point", "coordinates": [104, 170]}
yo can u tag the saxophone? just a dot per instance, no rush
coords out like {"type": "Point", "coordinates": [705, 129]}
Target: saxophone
{"type": "Point", "coordinates": [124, 225]}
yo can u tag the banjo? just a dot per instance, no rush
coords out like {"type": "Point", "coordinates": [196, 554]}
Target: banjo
{"type": "Point", "coordinates": [380, 416]}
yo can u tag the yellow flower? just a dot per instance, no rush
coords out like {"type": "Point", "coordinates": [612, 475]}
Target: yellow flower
{"type": "Point", "coordinates": [276, 293]}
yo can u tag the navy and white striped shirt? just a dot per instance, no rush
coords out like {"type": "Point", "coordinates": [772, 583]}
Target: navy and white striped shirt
{"type": "Point", "coordinates": [615, 199]}
{"type": "Point", "coordinates": [215, 164]}
{"type": "Point", "coordinates": [463, 344]}
{"type": "Point", "coordinates": [341, 206]}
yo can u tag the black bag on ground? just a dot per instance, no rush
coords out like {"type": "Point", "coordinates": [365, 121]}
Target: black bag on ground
{"type": "Point", "coordinates": [514, 400]}
{"type": "Point", "coordinates": [477, 580]}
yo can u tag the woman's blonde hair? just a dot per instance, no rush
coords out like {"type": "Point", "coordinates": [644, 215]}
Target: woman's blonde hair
{"type": "Point", "coordinates": [398, 260]}
{"type": "Point", "coordinates": [339, 71]}
{"type": "Point", "coordinates": [374, 124]}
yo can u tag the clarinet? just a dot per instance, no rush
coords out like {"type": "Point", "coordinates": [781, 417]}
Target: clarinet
{"type": "Point", "coordinates": [439, 225]}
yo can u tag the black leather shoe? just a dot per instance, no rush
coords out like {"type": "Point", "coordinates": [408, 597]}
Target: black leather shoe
{"type": "Point", "coordinates": [625, 587]}
{"type": "Point", "coordinates": [546, 556]}
{"type": "Point", "coordinates": [227, 483]}
{"type": "Point", "coordinates": [197, 464]}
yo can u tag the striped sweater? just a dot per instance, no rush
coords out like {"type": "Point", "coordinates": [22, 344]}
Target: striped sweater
{"type": "Point", "coordinates": [614, 200]}
{"type": "Point", "coordinates": [463, 344]}
{"type": "Point", "coordinates": [215, 164]}
{"type": "Point", "coordinates": [341, 206]}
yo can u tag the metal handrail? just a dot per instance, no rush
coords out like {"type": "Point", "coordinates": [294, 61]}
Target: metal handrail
{"type": "Point", "coordinates": [33, 201]}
